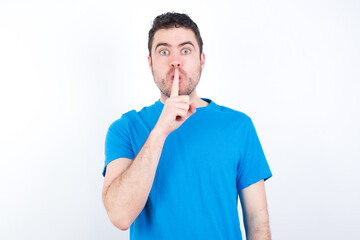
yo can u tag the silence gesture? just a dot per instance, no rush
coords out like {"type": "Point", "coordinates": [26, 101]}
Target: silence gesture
{"type": "Point", "coordinates": [176, 109]}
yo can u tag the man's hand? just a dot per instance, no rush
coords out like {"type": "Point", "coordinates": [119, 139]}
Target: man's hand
{"type": "Point", "coordinates": [176, 109]}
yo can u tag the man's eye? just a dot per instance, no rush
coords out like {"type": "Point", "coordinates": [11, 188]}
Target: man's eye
{"type": "Point", "coordinates": [185, 51]}
{"type": "Point", "coordinates": [164, 52]}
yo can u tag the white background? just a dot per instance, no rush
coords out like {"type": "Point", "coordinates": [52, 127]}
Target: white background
{"type": "Point", "coordinates": [68, 69]}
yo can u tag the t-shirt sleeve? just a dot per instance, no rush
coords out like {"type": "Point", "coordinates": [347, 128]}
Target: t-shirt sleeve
{"type": "Point", "coordinates": [117, 142]}
{"type": "Point", "coordinates": [252, 166]}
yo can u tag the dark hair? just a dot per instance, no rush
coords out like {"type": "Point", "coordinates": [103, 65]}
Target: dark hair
{"type": "Point", "coordinates": [170, 20]}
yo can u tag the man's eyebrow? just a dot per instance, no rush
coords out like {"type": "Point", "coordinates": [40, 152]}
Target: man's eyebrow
{"type": "Point", "coordinates": [185, 43]}
{"type": "Point", "coordinates": [168, 45]}
{"type": "Point", "coordinates": [162, 44]}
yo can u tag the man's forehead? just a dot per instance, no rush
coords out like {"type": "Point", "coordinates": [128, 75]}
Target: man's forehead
{"type": "Point", "coordinates": [174, 36]}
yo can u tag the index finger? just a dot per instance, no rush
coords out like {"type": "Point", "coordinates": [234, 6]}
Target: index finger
{"type": "Point", "coordinates": [175, 84]}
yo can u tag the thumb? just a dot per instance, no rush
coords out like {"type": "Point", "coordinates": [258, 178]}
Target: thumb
{"type": "Point", "coordinates": [192, 108]}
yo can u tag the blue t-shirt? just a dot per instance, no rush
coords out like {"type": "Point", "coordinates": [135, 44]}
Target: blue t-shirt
{"type": "Point", "coordinates": [204, 163]}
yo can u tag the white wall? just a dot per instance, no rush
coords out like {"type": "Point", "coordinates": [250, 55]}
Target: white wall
{"type": "Point", "coordinates": [70, 68]}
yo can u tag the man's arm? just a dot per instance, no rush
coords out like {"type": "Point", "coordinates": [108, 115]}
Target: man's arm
{"type": "Point", "coordinates": [255, 213]}
{"type": "Point", "coordinates": [127, 183]}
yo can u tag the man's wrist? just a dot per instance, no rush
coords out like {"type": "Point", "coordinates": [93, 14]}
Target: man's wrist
{"type": "Point", "coordinates": [158, 134]}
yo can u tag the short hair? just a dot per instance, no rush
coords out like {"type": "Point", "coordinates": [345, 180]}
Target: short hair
{"type": "Point", "coordinates": [170, 20]}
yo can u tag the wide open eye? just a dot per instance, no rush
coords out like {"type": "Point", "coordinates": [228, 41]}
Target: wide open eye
{"type": "Point", "coordinates": [164, 52]}
{"type": "Point", "coordinates": [185, 51]}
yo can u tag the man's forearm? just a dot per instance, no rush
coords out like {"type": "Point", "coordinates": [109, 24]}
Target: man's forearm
{"type": "Point", "coordinates": [127, 195]}
{"type": "Point", "coordinates": [258, 230]}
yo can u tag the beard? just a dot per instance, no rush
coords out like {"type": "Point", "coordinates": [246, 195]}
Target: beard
{"type": "Point", "coordinates": [186, 86]}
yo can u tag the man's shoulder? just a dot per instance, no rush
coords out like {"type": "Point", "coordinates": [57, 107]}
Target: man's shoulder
{"type": "Point", "coordinates": [123, 120]}
{"type": "Point", "coordinates": [231, 112]}
{"type": "Point", "coordinates": [135, 115]}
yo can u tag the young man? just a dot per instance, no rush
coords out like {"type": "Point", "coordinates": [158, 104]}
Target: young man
{"type": "Point", "coordinates": [174, 170]}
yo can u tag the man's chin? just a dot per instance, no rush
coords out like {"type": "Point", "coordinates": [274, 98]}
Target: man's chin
{"type": "Point", "coordinates": [167, 93]}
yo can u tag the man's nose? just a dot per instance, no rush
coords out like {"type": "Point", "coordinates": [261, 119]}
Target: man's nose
{"type": "Point", "coordinates": [175, 63]}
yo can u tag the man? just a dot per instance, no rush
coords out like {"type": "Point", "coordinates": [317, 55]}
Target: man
{"type": "Point", "coordinates": [174, 170]}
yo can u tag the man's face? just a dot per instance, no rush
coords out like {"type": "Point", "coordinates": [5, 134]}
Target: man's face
{"type": "Point", "coordinates": [176, 48]}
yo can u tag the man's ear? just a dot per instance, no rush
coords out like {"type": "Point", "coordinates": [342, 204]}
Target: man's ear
{"type": "Point", "coordinates": [150, 62]}
{"type": "Point", "coordinates": [202, 61]}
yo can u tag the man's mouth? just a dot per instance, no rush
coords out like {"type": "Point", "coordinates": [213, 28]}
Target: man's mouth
{"type": "Point", "coordinates": [172, 77]}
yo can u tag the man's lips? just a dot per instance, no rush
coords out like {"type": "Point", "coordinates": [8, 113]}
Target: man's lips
{"type": "Point", "coordinates": [172, 77]}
